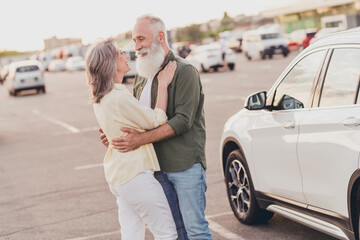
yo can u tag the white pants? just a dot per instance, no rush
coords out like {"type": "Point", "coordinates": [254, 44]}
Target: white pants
{"type": "Point", "coordinates": [142, 200]}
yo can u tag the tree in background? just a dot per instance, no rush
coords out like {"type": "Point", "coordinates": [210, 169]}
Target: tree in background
{"type": "Point", "coordinates": [193, 33]}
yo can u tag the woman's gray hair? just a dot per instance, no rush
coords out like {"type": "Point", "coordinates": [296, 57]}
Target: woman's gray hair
{"type": "Point", "coordinates": [101, 59]}
{"type": "Point", "coordinates": [157, 25]}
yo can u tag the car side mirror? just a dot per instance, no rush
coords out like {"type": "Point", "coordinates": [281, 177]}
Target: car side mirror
{"type": "Point", "coordinates": [256, 101]}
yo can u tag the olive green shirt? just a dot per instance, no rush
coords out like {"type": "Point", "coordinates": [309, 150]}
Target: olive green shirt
{"type": "Point", "coordinates": [185, 111]}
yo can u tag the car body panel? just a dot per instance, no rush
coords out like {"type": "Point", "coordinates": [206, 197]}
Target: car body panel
{"type": "Point", "coordinates": [307, 159]}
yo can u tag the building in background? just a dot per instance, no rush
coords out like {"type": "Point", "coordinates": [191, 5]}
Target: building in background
{"type": "Point", "coordinates": [54, 42]}
{"type": "Point", "coordinates": [316, 14]}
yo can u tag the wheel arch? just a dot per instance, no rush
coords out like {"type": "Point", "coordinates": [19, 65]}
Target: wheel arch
{"type": "Point", "coordinates": [353, 202]}
{"type": "Point", "coordinates": [230, 144]}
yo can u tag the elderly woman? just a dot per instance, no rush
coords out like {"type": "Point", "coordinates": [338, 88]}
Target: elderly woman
{"type": "Point", "coordinates": [140, 197]}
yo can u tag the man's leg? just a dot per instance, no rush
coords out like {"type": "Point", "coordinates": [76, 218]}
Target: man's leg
{"type": "Point", "coordinates": [190, 186]}
{"type": "Point", "coordinates": [173, 202]}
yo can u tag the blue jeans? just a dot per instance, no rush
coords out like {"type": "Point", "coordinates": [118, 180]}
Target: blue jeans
{"type": "Point", "coordinates": [185, 191]}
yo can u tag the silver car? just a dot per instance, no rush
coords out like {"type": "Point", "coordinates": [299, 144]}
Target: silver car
{"type": "Point", "coordinates": [25, 75]}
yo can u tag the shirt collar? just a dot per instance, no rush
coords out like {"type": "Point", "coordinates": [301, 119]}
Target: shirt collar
{"type": "Point", "coordinates": [168, 58]}
{"type": "Point", "coordinates": [119, 86]}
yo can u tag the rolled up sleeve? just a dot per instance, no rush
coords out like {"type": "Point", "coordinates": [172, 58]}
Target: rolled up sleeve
{"type": "Point", "coordinates": [187, 97]}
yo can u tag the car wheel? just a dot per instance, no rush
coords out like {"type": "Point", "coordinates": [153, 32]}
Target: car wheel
{"type": "Point", "coordinates": [262, 55]}
{"type": "Point", "coordinates": [216, 69]}
{"type": "Point", "coordinates": [43, 90]}
{"type": "Point", "coordinates": [285, 53]}
{"type": "Point", "coordinates": [248, 56]}
{"type": "Point", "coordinates": [203, 69]}
{"type": "Point", "coordinates": [240, 191]}
{"type": "Point", "coordinates": [231, 66]}
{"type": "Point", "coordinates": [124, 79]}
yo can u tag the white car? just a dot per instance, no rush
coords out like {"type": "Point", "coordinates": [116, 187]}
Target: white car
{"type": "Point", "coordinates": [206, 57]}
{"type": "Point", "coordinates": [4, 71]}
{"type": "Point", "coordinates": [295, 150]}
{"type": "Point", "coordinates": [25, 75]}
{"type": "Point", "coordinates": [75, 63]}
{"type": "Point", "coordinates": [56, 65]}
{"type": "Point", "coordinates": [261, 43]}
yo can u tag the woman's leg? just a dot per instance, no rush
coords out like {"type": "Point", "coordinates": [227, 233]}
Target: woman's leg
{"type": "Point", "coordinates": [132, 225]}
{"type": "Point", "coordinates": [146, 197]}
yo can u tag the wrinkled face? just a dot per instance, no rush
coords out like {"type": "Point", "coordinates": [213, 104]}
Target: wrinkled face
{"type": "Point", "coordinates": [142, 36]}
{"type": "Point", "coordinates": [122, 63]}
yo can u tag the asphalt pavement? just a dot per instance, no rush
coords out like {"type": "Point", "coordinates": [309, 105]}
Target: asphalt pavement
{"type": "Point", "coordinates": [52, 183]}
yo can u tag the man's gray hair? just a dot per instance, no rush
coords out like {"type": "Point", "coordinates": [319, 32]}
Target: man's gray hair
{"type": "Point", "coordinates": [157, 25]}
{"type": "Point", "coordinates": [101, 59]}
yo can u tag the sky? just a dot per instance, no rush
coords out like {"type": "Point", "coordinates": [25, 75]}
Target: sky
{"type": "Point", "coordinates": [26, 23]}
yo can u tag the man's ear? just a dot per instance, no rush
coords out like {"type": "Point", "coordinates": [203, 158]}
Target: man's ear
{"type": "Point", "coordinates": [161, 37]}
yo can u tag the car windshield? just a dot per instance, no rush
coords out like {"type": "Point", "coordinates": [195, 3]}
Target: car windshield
{"type": "Point", "coordinates": [28, 68]}
{"type": "Point", "coordinates": [269, 36]}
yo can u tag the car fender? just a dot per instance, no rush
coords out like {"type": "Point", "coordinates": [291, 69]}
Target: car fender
{"type": "Point", "coordinates": [239, 138]}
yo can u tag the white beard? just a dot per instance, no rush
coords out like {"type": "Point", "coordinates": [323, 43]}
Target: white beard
{"type": "Point", "coordinates": [148, 65]}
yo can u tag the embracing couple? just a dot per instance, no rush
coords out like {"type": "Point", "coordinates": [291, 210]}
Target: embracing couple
{"type": "Point", "coordinates": [155, 163]}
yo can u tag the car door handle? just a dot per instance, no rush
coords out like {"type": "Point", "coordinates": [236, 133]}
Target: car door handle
{"type": "Point", "coordinates": [351, 122]}
{"type": "Point", "coordinates": [289, 125]}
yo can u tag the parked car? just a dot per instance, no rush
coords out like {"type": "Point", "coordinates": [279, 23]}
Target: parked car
{"type": "Point", "coordinates": [295, 150]}
{"type": "Point", "coordinates": [25, 75]}
{"type": "Point", "coordinates": [75, 63]}
{"type": "Point", "coordinates": [206, 57]}
{"type": "Point", "coordinates": [309, 35]}
{"type": "Point", "coordinates": [56, 65]}
{"type": "Point", "coordinates": [325, 31]}
{"type": "Point", "coordinates": [4, 73]}
{"type": "Point", "coordinates": [261, 43]}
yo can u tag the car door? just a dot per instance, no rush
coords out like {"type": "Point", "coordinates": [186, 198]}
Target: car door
{"type": "Point", "coordinates": [275, 133]}
{"type": "Point", "coordinates": [329, 139]}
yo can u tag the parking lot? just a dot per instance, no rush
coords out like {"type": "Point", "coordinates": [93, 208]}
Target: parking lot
{"type": "Point", "coordinates": [51, 177]}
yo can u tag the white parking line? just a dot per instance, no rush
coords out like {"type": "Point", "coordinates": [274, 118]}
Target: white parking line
{"type": "Point", "coordinates": [223, 232]}
{"type": "Point", "coordinates": [96, 235]}
{"type": "Point", "coordinates": [57, 122]}
{"type": "Point", "coordinates": [219, 215]}
{"type": "Point", "coordinates": [89, 129]}
{"type": "Point", "coordinates": [205, 80]}
{"type": "Point", "coordinates": [89, 166]}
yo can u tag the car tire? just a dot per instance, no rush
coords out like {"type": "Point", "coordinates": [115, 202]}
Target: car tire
{"type": "Point", "coordinates": [203, 69]}
{"type": "Point", "coordinates": [248, 56]}
{"type": "Point", "coordinates": [216, 69]}
{"type": "Point", "coordinates": [231, 66]}
{"type": "Point", "coordinates": [262, 55]}
{"type": "Point", "coordinates": [124, 79]}
{"type": "Point", "coordinates": [240, 191]}
{"type": "Point", "coordinates": [43, 90]}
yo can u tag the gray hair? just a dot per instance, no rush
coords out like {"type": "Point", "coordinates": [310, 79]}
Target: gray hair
{"type": "Point", "coordinates": [101, 60]}
{"type": "Point", "coordinates": [157, 25]}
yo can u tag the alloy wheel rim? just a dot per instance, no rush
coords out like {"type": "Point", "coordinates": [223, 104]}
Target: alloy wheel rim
{"type": "Point", "coordinates": [239, 187]}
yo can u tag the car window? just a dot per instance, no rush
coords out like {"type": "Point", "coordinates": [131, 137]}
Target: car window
{"type": "Point", "coordinates": [342, 78]}
{"type": "Point", "coordinates": [29, 68]}
{"type": "Point", "coordinates": [269, 36]}
{"type": "Point", "coordinates": [294, 91]}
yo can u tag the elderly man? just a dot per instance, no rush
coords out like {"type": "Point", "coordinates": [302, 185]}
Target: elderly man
{"type": "Point", "coordinates": [180, 143]}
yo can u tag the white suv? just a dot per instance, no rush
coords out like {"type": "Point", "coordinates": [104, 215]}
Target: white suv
{"type": "Point", "coordinates": [295, 151]}
{"type": "Point", "coordinates": [206, 57]}
{"type": "Point", "coordinates": [25, 75]}
{"type": "Point", "coordinates": [261, 43]}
